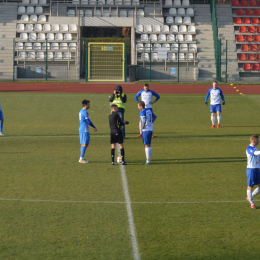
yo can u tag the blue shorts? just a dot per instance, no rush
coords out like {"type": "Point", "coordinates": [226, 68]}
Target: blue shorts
{"type": "Point", "coordinates": [147, 137]}
{"type": "Point", "coordinates": [253, 176]}
{"type": "Point", "coordinates": [215, 108]}
{"type": "Point", "coordinates": [84, 138]}
{"type": "Point", "coordinates": [1, 115]}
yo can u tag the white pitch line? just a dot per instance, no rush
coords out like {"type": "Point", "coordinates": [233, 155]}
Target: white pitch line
{"type": "Point", "coordinates": [129, 212]}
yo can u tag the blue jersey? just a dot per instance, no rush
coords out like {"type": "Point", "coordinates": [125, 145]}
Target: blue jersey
{"type": "Point", "coordinates": [146, 116]}
{"type": "Point", "coordinates": [215, 95]}
{"type": "Point", "coordinates": [84, 121]}
{"type": "Point", "coordinates": [252, 160]}
{"type": "Point", "coordinates": [146, 97]}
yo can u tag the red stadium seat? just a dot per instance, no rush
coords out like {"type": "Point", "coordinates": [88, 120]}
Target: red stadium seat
{"type": "Point", "coordinates": [249, 12]}
{"type": "Point", "coordinates": [242, 29]}
{"type": "Point", "coordinates": [240, 12]}
{"type": "Point", "coordinates": [253, 47]}
{"type": "Point", "coordinates": [237, 20]}
{"type": "Point", "coordinates": [258, 29]}
{"type": "Point", "coordinates": [255, 66]}
{"type": "Point", "coordinates": [246, 20]}
{"type": "Point", "coordinates": [244, 47]}
{"type": "Point", "coordinates": [235, 3]}
{"type": "Point", "coordinates": [258, 3]}
{"type": "Point", "coordinates": [257, 11]}
{"type": "Point", "coordinates": [258, 57]}
{"type": "Point", "coordinates": [249, 38]}
{"type": "Point", "coordinates": [257, 38]}
{"type": "Point", "coordinates": [252, 3]}
{"type": "Point", "coordinates": [240, 38]}
{"type": "Point", "coordinates": [243, 3]}
{"type": "Point", "coordinates": [255, 20]}
{"type": "Point", "coordinates": [242, 57]}
{"type": "Point", "coordinates": [250, 57]}
{"type": "Point", "coordinates": [246, 66]}
{"type": "Point", "coordinates": [251, 29]}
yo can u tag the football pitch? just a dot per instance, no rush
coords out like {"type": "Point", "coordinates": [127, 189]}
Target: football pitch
{"type": "Point", "coordinates": [189, 203]}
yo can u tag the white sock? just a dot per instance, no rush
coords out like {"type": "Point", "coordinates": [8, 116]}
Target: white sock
{"type": "Point", "coordinates": [150, 154]}
{"type": "Point", "coordinates": [256, 191]}
{"type": "Point", "coordinates": [213, 120]}
{"type": "Point", "coordinates": [146, 153]}
{"type": "Point", "coordinates": [219, 118]}
{"type": "Point", "coordinates": [250, 197]}
{"type": "Point", "coordinates": [140, 127]}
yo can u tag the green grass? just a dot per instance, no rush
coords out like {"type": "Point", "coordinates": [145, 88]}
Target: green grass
{"type": "Point", "coordinates": [193, 194]}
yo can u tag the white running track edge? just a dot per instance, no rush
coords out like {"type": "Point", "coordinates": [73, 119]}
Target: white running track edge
{"type": "Point", "coordinates": [129, 211]}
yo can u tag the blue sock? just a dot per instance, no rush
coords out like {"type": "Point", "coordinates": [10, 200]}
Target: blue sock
{"type": "Point", "coordinates": [82, 151]}
{"type": "Point", "coordinates": [1, 126]}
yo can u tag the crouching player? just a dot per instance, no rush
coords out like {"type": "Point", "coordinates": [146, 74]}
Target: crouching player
{"type": "Point", "coordinates": [84, 122]}
{"type": "Point", "coordinates": [146, 116]}
{"type": "Point", "coordinates": [116, 135]}
{"type": "Point", "coordinates": [253, 173]}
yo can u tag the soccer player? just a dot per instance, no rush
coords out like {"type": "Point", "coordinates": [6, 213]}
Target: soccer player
{"type": "Point", "coordinates": [147, 97]}
{"type": "Point", "coordinates": [252, 171]}
{"type": "Point", "coordinates": [215, 104]}
{"type": "Point", "coordinates": [1, 122]}
{"type": "Point", "coordinates": [147, 129]}
{"type": "Point", "coordinates": [116, 135]}
{"type": "Point", "coordinates": [84, 123]}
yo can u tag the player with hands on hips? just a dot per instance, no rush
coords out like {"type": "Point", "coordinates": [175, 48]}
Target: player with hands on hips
{"type": "Point", "coordinates": [215, 103]}
{"type": "Point", "coordinates": [252, 171]}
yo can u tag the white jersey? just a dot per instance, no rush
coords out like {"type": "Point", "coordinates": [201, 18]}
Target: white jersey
{"type": "Point", "coordinates": [252, 160]}
{"type": "Point", "coordinates": [215, 95]}
{"type": "Point", "coordinates": [146, 116]}
{"type": "Point", "coordinates": [146, 97]}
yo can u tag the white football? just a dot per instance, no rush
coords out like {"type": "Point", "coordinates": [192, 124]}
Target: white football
{"type": "Point", "coordinates": [119, 159]}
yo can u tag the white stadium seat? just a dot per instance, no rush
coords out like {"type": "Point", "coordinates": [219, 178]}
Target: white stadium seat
{"type": "Point", "coordinates": [50, 36]}
{"type": "Point", "coordinates": [63, 46]}
{"type": "Point", "coordinates": [156, 46]}
{"type": "Point", "coordinates": [58, 55]}
{"type": "Point", "coordinates": [190, 56]}
{"type": "Point", "coordinates": [42, 18]}
{"type": "Point", "coordinates": [47, 27]}
{"type": "Point", "coordinates": [154, 56]}
{"type": "Point", "coordinates": [80, 13]}
{"type": "Point", "coordinates": [75, 2]}
{"type": "Point", "coordinates": [22, 55]}
{"type": "Point", "coordinates": [188, 38]}
{"type": "Point", "coordinates": [139, 28]}
{"type": "Point", "coordinates": [88, 13]}
{"type": "Point", "coordinates": [193, 47]}
{"type": "Point", "coordinates": [92, 2]}
{"type": "Point", "coordinates": [182, 28]}
{"type": "Point", "coordinates": [29, 27]}
{"type": "Point", "coordinates": [44, 46]}
{"type": "Point", "coordinates": [34, 18]}
{"type": "Point", "coordinates": [34, 2]}
{"type": "Point", "coordinates": [168, 2]}
{"type": "Point", "coordinates": [37, 27]}
{"type": "Point", "coordinates": [20, 27]}
{"type": "Point", "coordinates": [42, 2]}
{"type": "Point", "coordinates": [110, 2]}
{"type": "Point", "coordinates": [37, 46]}
{"type": "Point", "coordinates": [145, 57]}
{"type": "Point", "coordinates": [140, 13]}
{"type": "Point", "coordinates": [72, 46]}
{"type": "Point", "coordinates": [30, 10]}
{"type": "Point", "coordinates": [170, 38]}
{"type": "Point", "coordinates": [101, 2]}
{"type": "Point", "coordinates": [32, 36]}
{"type": "Point", "coordinates": [186, 19]}
{"type": "Point", "coordinates": [67, 37]}
{"type": "Point", "coordinates": [55, 27]}
{"type": "Point", "coordinates": [191, 28]}
{"type": "Point", "coordinates": [162, 38]}
{"type": "Point", "coordinates": [181, 11]}
{"type": "Point", "coordinates": [169, 20]}
{"type": "Point", "coordinates": [171, 56]}
{"type": "Point", "coordinates": [190, 11]}
{"type": "Point", "coordinates": [67, 56]}
{"type": "Point", "coordinates": [165, 29]}
{"type": "Point", "coordinates": [55, 46]}
{"type": "Point", "coordinates": [19, 45]}
{"type": "Point", "coordinates": [23, 36]}
{"type": "Point", "coordinates": [98, 13]}
{"type": "Point", "coordinates": [71, 13]}
{"type": "Point", "coordinates": [139, 47]}
{"type": "Point", "coordinates": [181, 56]}
{"type": "Point", "coordinates": [25, 18]}
{"type": "Point", "coordinates": [106, 13]}
{"type": "Point", "coordinates": [135, 2]}
{"type": "Point", "coordinates": [178, 19]}
{"type": "Point", "coordinates": [185, 2]}
{"type": "Point", "coordinates": [147, 47]}
{"type": "Point", "coordinates": [31, 55]}
{"type": "Point", "coordinates": [59, 37]}
{"type": "Point", "coordinates": [144, 38]}
{"type": "Point", "coordinates": [64, 27]}
{"type": "Point", "coordinates": [118, 2]}
{"type": "Point", "coordinates": [72, 27]}
{"type": "Point", "coordinates": [84, 2]}
{"type": "Point", "coordinates": [127, 2]}
{"type": "Point", "coordinates": [172, 11]}
{"type": "Point", "coordinates": [174, 29]}
{"type": "Point", "coordinates": [156, 28]}
{"type": "Point", "coordinates": [179, 37]}
{"type": "Point", "coordinates": [167, 45]}
{"type": "Point", "coordinates": [41, 36]}
{"type": "Point", "coordinates": [25, 2]}
{"type": "Point", "coordinates": [28, 46]}
{"type": "Point", "coordinates": [177, 3]}
{"type": "Point", "coordinates": [122, 13]}
{"type": "Point", "coordinates": [174, 47]}
{"type": "Point", "coordinates": [21, 10]}
{"type": "Point", "coordinates": [153, 38]}
{"type": "Point", "coordinates": [50, 55]}
{"type": "Point", "coordinates": [184, 47]}
{"type": "Point", "coordinates": [131, 13]}
{"type": "Point", "coordinates": [148, 28]}
{"type": "Point", "coordinates": [114, 13]}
